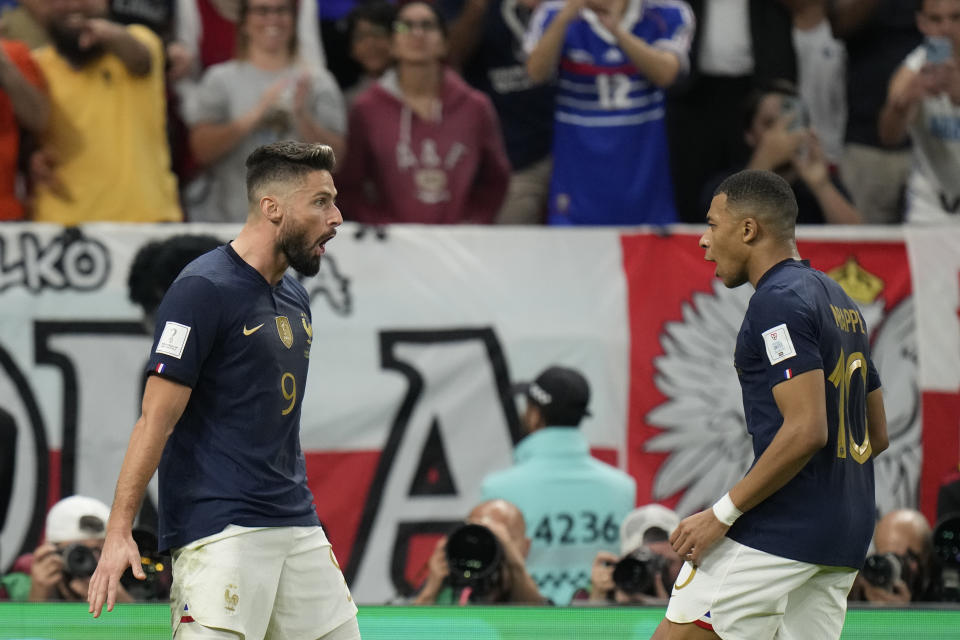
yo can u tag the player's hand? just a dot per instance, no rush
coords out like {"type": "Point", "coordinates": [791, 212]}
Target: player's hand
{"type": "Point", "coordinates": [696, 534]}
{"type": "Point", "coordinates": [119, 552]}
{"type": "Point", "coordinates": [601, 576]}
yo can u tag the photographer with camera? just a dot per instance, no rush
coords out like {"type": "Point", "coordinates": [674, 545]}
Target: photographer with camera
{"type": "Point", "coordinates": [482, 561]}
{"type": "Point", "coordinates": [61, 567]}
{"type": "Point", "coordinates": [647, 566]}
{"type": "Point", "coordinates": [901, 568]}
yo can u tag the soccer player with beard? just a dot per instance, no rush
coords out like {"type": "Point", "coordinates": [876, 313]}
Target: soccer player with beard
{"type": "Point", "coordinates": [221, 418]}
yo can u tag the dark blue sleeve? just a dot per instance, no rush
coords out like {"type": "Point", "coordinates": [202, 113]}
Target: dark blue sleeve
{"type": "Point", "coordinates": [786, 333]}
{"type": "Point", "coordinates": [186, 329]}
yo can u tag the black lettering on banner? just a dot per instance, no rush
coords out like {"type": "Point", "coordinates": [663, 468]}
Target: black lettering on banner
{"type": "Point", "coordinates": [69, 260]}
{"type": "Point", "coordinates": [37, 434]}
{"type": "Point", "coordinates": [45, 354]}
{"type": "Point", "coordinates": [391, 344]}
{"type": "Point", "coordinates": [567, 526]}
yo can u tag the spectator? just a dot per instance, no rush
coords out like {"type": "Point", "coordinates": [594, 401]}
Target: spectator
{"type": "Point", "coordinates": [822, 71]}
{"type": "Point", "coordinates": [512, 583]}
{"type": "Point", "coordinates": [23, 105]}
{"type": "Point", "coordinates": [613, 59]}
{"type": "Point", "coordinates": [208, 30]}
{"type": "Point", "coordinates": [878, 34]}
{"type": "Point", "coordinates": [25, 21]}
{"type": "Point", "coordinates": [369, 26]}
{"type": "Point", "coordinates": [572, 503]}
{"type": "Point", "coordinates": [647, 567]}
{"type": "Point", "coordinates": [61, 567]}
{"type": "Point", "coordinates": [423, 146]}
{"type": "Point", "coordinates": [260, 97]}
{"type": "Point", "coordinates": [486, 44]}
{"type": "Point", "coordinates": [906, 535]}
{"type": "Point", "coordinates": [738, 46]}
{"type": "Point", "coordinates": [924, 103]}
{"type": "Point", "coordinates": [104, 156]}
{"type": "Point", "coordinates": [779, 142]}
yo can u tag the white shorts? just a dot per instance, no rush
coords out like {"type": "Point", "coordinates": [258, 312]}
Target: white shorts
{"type": "Point", "coordinates": [271, 582]}
{"type": "Point", "coordinates": [746, 594]}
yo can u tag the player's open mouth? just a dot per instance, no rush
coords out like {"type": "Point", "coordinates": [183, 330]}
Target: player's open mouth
{"type": "Point", "coordinates": [321, 248]}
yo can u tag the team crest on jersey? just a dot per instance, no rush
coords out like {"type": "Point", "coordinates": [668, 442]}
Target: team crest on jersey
{"type": "Point", "coordinates": [285, 331]}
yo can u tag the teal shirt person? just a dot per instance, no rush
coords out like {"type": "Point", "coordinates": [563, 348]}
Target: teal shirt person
{"type": "Point", "coordinates": [573, 503]}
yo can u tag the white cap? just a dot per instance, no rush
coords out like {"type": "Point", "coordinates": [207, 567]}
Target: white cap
{"type": "Point", "coordinates": [77, 518]}
{"type": "Point", "coordinates": [638, 521]}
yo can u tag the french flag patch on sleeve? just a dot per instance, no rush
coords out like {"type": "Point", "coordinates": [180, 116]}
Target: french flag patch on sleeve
{"type": "Point", "coordinates": [787, 374]}
{"type": "Point", "coordinates": [160, 367]}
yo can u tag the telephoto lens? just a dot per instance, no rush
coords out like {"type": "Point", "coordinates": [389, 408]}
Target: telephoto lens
{"type": "Point", "coordinates": [78, 561]}
{"type": "Point", "coordinates": [474, 556]}
{"type": "Point", "coordinates": [635, 572]}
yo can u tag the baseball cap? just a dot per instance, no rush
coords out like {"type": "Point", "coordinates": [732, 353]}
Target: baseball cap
{"type": "Point", "coordinates": [561, 393]}
{"type": "Point", "coordinates": [640, 520]}
{"type": "Point", "coordinates": [77, 518]}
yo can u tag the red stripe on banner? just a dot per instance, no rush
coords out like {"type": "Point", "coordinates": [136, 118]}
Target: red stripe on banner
{"type": "Point", "coordinates": [340, 481]}
{"type": "Point", "coordinates": [587, 69]}
{"type": "Point", "coordinates": [610, 456]}
{"type": "Point", "coordinates": [53, 491]}
{"type": "Point", "coordinates": [941, 446]}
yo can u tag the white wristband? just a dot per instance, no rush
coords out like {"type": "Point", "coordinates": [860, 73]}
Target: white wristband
{"type": "Point", "coordinates": [726, 511]}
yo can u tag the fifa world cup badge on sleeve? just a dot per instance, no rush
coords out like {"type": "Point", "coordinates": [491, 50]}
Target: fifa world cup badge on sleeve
{"type": "Point", "coordinates": [778, 343]}
{"type": "Point", "coordinates": [173, 339]}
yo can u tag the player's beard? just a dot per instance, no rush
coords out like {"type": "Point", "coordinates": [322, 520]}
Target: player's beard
{"type": "Point", "coordinates": [299, 251]}
{"type": "Point", "coordinates": [66, 40]}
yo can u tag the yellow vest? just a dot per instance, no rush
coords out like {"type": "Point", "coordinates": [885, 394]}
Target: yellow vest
{"type": "Point", "coordinates": [107, 132]}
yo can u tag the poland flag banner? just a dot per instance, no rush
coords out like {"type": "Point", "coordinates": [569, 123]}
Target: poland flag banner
{"type": "Point", "coordinates": [418, 335]}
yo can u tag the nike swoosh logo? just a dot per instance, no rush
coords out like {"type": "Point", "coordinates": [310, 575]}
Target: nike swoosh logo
{"type": "Point", "coordinates": [247, 332]}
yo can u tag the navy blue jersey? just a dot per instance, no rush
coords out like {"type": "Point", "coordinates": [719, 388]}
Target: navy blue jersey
{"type": "Point", "coordinates": [243, 347]}
{"type": "Point", "coordinates": [800, 320]}
{"type": "Point", "coordinates": [610, 159]}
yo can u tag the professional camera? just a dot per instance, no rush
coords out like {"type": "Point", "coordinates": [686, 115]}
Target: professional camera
{"type": "Point", "coordinates": [475, 557]}
{"type": "Point", "coordinates": [946, 547]}
{"type": "Point", "coordinates": [636, 572]}
{"type": "Point", "coordinates": [884, 569]}
{"type": "Point", "coordinates": [156, 584]}
{"type": "Point", "coordinates": [79, 561]}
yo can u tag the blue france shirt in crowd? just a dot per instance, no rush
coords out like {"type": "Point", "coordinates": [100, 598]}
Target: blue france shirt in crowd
{"type": "Point", "coordinates": [610, 157]}
{"type": "Point", "coordinates": [243, 347]}
{"type": "Point", "coordinates": [799, 320]}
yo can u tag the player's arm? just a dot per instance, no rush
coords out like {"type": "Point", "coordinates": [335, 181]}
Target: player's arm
{"type": "Point", "coordinates": [803, 433]}
{"type": "Point", "coordinates": [163, 403]}
{"type": "Point", "coordinates": [877, 423]}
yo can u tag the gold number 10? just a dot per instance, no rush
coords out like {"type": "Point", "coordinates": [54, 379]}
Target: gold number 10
{"type": "Point", "coordinates": [842, 379]}
{"type": "Point", "coordinates": [290, 394]}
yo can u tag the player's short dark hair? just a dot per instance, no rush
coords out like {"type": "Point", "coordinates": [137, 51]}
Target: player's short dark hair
{"type": "Point", "coordinates": [763, 195]}
{"type": "Point", "coordinates": [284, 162]}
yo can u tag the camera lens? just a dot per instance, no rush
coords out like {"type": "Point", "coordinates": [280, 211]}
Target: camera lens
{"type": "Point", "coordinates": [635, 572]}
{"type": "Point", "coordinates": [881, 570]}
{"type": "Point", "coordinates": [474, 556]}
{"type": "Point", "coordinates": [79, 561]}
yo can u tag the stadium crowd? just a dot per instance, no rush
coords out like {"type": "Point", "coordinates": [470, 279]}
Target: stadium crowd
{"type": "Point", "coordinates": [588, 112]}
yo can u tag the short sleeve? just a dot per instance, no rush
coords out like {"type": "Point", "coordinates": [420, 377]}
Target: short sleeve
{"type": "Point", "coordinates": [539, 21]}
{"type": "Point", "coordinates": [786, 334]}
{"type": "Point", "coordinates": [209, 103]}
{"type": "Point", "coordinates": [186, 329]}
{"type": "Point", "coordinates": [677, 32]}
